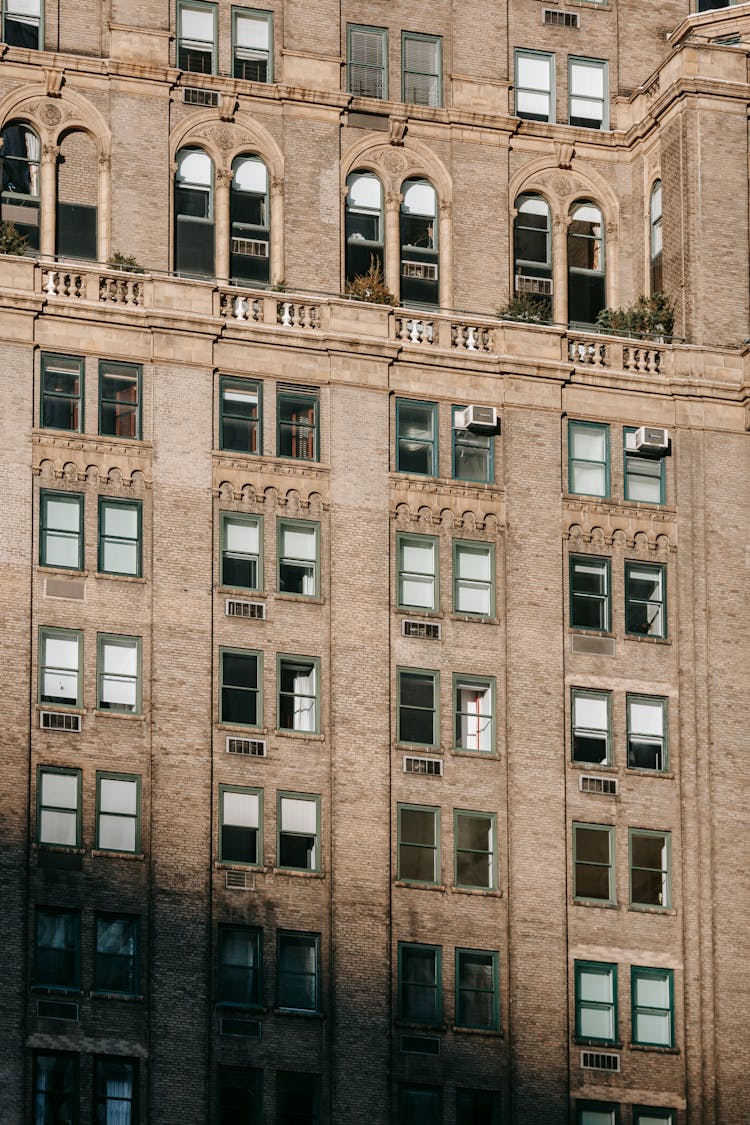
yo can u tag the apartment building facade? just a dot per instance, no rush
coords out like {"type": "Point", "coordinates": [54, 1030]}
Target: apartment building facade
{"type": "Point", "coordinates": [374, 745]}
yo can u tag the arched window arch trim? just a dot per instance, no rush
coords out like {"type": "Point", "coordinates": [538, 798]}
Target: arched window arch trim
{"type": "Point", "coordinates": [364, 227]}
{"type": "Point", "coordinates": [586, 261]}
{"type": "Point", "coordinates": [533, 253]}
{"type": "Point", "coordinates": [21, 189]}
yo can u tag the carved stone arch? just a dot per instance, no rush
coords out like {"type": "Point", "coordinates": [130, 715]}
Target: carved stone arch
{"type": "Point", "coordinates": [619, 537]}
{"type": "Point", "coordinates": [69, 471]}
{"type": "Point", "coordinates": [575, 532]}
{"type": "Point", "coordinates": [91, 474]}
{"type": "Point", "coordinates": [115, 476]}
{"type": "Point", "coordinates": [293, 500]}
{"type": "Point", "coordinates": [424, 514]}
{"type": "Point", "coordinates": [46, 471]}
{"type": "Point", "coordinates": [138, 481]}
{"type": "Point", "coordinates": [315, 502]}
{"type": "Point", "coordinates": [447, 518]}
{"type": "Point", "coordinates": [491, 522]}
{"type": "Point", "coordinates": [663, 544]}
{"type": "Point", "coordinates": [470, 521]}
{"type": "Point", "coordinates": [226, 491]}
{"type": "Point", "coordinates": [640, 541]}
{"type": "Point", "coordinates": [403, 512]}
{"type": "Point", "coordinates": [598, 536]}
{"type": "Point", "coordinates": [270, 496]}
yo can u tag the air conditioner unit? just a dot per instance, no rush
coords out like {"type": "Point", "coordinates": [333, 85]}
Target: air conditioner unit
{"type": "Point", "coordinates": [650, 439]}
{"type": "Point", "coordinates": [430, 630]}
{"type": "Point", "coordinates": [59, 720]}
{"type": "Point", "coordinates": [479, 418]}
{"type": "Point", "coordinates": [237, 608]}
{"type": "Point", "coordinates": [252, 747]}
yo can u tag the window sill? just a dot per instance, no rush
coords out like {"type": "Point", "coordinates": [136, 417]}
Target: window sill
{"type": "Point", "coordinates": [237, 729]}
{"type": "Point", "coordinates": [655, 1048]}
{"type": "Point", "coordinates": [242, 592]}
{"type": "Point", "coordinates": [492, 755]}
{"type": "Point", "coordinates": [478, 892]}
{"type": "Point", "coordinates": [298, 874]}
{"type": "Point", "coordinates": [62, 571]}
{"type": "Point", "coordinates": [420, 612]}
{"type": "Point", "coordinates": [302, 1013]}
{"type": "Point", "coordinates": [103, 853]}
{"type": "Point", "coordinates": [598, 766]}
{"type": "Point", "coordinates": [57, 849]}
{"type": "Point", "coordinates": [581, 630]}
{"type": "Point", "coordinates": [62, 992]}
{"type": "Point", "coordinates": [309, 598]}
{"type": "Point", "coordinates": [129, 998]}
{"type": "Point", "coordinates": [474, 618]}
{"type": "Point", "coordinates": [644, 908]}
{"type": "Point", "coordinates": [129, 715]}
{"type": "Point", "coordinates": [63, 707]}
{"type": "Point", "coordinates": [137, 579]}
{"type": "Point", "coordinates": [241, 1009]}
{"type": "Point", "coordinates": [604, 1044]}
{"type": "Point", "coordinates": [595, 905]}
{"type": "Point", "coordinates": [421, 886]}
{"type": "Point", "coordinates": [227, 865]}
{"type": "Point", "coordinates": [632, 771]}
{"type": "Point", "coordinates": [311, 736]}
{"type": "Point", "coordinates": [647, 640]}
{"type": "Point", "coordinates": [490, 1032]}
{"type": "Point", "coordinates": [425, 1028]}
{"type": "Point", "coordinates": [418, 748]}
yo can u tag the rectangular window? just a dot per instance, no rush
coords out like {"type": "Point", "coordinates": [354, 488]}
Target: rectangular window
{"type": "Point", "coordinates": [644, 476]}
{"type": "Point", "coordinates": [22, 26]}
{"type": "Point", "coordinates": [418, 844]}
{"type": "Point", "coordinates": [240, 825]}
{"type": "Point", "coordinates": [299, 547]}
{"type": "Point", "coordinates": [240, 966]}
{"type": "Point", "coordinates": [120, 537]}
{"type": "Point", "coordinates": [473, 706]}
{"type": "Point", "coordinates": [647, 733]}
{"type": "Point", "coordinates": [61, 530]}
{"type": "Point", "coordinates": [240, 1095]}
{"type": "Point", "coordinates": [589, 593]}
{"type": "Point", "coordinates": [59, 807]}
{"type": "Point", "coordinates": [473, 453]}
{"type": "Point", "coordinates": [298, 693]}
{"type": "Point", "coordinates": [652, 1007]}
{"type": "Point", "coordinates": [477, 1107]}
{"type": "Point", "coordinates": [57, 949]}
{"type": "Point", "coordinates": [367, 61]}
{"type": "Point", "coordinates": [420, 1105]}
{"type": "Point", "coordinates": [253, 45]}
{"type": "Point", "coordinates": [590, 721]}
{"type": "Point", "coordinates": [118, 812]}
{"type": "Point", "coordinates": [596, 1001]}
{"type": "Point", "coordinates": [119, 399]}
{"type": "Point", "coordinates": [297, 424]}
{"type": "Point", "coordinates": [420, 997]}
{"type": "Point", "coordinates": [596, 1113]}
{"type": "Point", "coordinates": [649, 868]}
{"type": "Point", "coordinates": [241, 554]}
{"type": "Point", "coordinates": [475, 841]}
{"type": "Point", "coordinates": [416, 438]}
{"type": "Point", "coordinates": [55, 1089]}
{"type": "Point", "coordinates": [119, 674]}
{"type": "Point", "coordinates": [196, 37]}
{"type": "Point", "coordinates": [592, 855]}
{"type": "Point", "coordinates": [473, 585]}
{"type": "Point", "coordinates": [645, 599]}
{"type": "Point", "coordinates": [650, 1115]}
{"type": "Point", "coordinates": [62, 392]}
{"type": "Point", "coordinates": [417, 707]}
{"type": "Point", "coordinates": [240, 416]}
{"type": "Point", "coordinates": [417, 572]}
{"type": "Point", "coordinates": [476, 989]}
{"type": "Point", "coordinates": [116, 956]}
{"type": "Point", "coordinates": [297, 1098]}
{"type": "Point", "coordinates": [297, 971]}
{"type": "Point", "coordinates": [298, 831]}
{"type": "Point", "coordinates": [115, 1091]}
{"type": "Point", "coordinates": [60, 655]}
{"type": "Point", "coordinates": [535, 86]}
{"type": "Point", "coordinates": [241, 697]}
{"type": "Point", "coordinates": [588, 459]}
{"type": "Point", "coordinates": [587, 98]}
{"type": "Point", "coordinates": [421, 59]}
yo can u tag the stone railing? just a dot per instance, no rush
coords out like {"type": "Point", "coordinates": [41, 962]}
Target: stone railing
{"type": "Point", "coordinates": [110, 286]}
{"type": "Point", "coordinates": [644, 358]}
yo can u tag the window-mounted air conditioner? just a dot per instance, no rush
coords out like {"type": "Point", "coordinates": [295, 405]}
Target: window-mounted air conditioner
{"type": "Point", "coordinates": [59, 720]}
{"type": "Point", "coordinates": [651, 440]}
{"type": "Point", "coordinates": [479, 418]}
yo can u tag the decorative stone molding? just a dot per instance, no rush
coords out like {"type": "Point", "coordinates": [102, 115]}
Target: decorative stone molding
{"type": "Point", "coordinates": [428, 517]}
{"type": "Point", "coordinates": [261, 497]}
{"type": "Point", "coordinates": [228, 107]}
{"type": "Point", "coordinates": [397, 130]}
{"type": "Point", "coordinates": [53, 80]}
{"type": "Point", "coordinates": [94, 475]}
{"type": "Point", "coordinates": [564, 154]}
{"type": "Point", "coordinates": [645, 540]}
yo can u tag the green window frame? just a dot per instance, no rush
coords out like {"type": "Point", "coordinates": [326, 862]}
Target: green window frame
{"type": "Point", "coordinates": [593, 863]}
{"type": "Point", "coordinates": [241, 687]}
{"type": "Point", "coordinates": [473, 578]}
{"type": "Point", "coordinates": [474, 1106]}
{"type": "Point", "coordinates": [535, 89]}
{"type": "Point", "coordinates": [418, 707]}
{"type": "Point", "coordinates": [252, 44]}
{"type": "Point", "coordinates": [240, 415]}
{"type": "Point", "coordinates": [58, 818]}
{"type": "Point", "coordinates": [597, 1113]}
{"type": "Point", "coordinates": [475, 841]}
{"type": "Point", "coordinates": [416, 437]}
{"type": "Point", "coordinates": [590, 601]}
{"type": "Point", "coordinates": [61, 529]}
{"type": "Point", "coordinates": [298, 701]}
{"type": "Point", "coordinates": [477, 991]}
{"type": "Point", "coordinates": [645, 599]}
{"type": "Point", "coordinates": [588, 459]}
{"type": "Point", "coordinates": [117, 954]}
{"type": "Point", "coordinates": [62, 399]}
{"type": "Point", "coordinates": [119, 676]}
{"type": "Point", "coordinates": [120, 537]}
{"type": "Point", "coordinates": [57, 949]}
{"type": "Point", "coordinates": [645, 477]}
{"type": "Point", "coordinates": [418, 844]}
{"type": "Point", "coordinates": [195, 53]}
{"type": "Point", "coordinates": [118, 812]}
{"type": "Point", "coordinates": [298, 557]}
{"type": "Point", "coordinates": [297, 971]}
{"type": "Point", "coordinates": [241, 551]}
{"type": "Point", "coordinates": [591, 727]}
{"type": "Point", "coordinates": [240, 967]}
{"type": "Point", "coordinates": [240, 1095]}
{"type": "Point", "coordinates": [474, 713]}
{"type": "Point", "coordinates": [653, 1115]}
{"type": "Point", "coordinates": [418, 572]}
{"type": "Point", "coordinates": [652, 1006]}
{"type": "Point", "coordinates": [241, 825]}
{"type": "Point", "coordinates": [419, 1103]}
{"type": "Point", "coordinates": [420, 983]}
{"type": "Point", "coordinates": [298, 423]}
{"type": "Point", "coordinates": [56, 1086]}
{"type": "Point", "coordinates": [650, 868]}
{"type": "Point", "coordinates": [648, 733]}
{"type": "Point", "coordinates": [588, 98]}
{"type": "Point", "coordinates": [23, 27]}
{"type": "Point", "coordinates": [297, 1098]}
{"type": "Point", "coordinates": [298, 831]}
{"type": "Point", "coordinates": [366, 61]}
{"type": "Point", "coordinates": [421, 69]}
{"type": "Point", "coordinates": [116, 1090]}
{"type": "Point", "coordinates": [120, 399]}
{"type": "Point", "coordinates": [596, 1001]}
{"type": "Point", "coordinates": [60, 667]}
{"type": "Point", "coordinates": [473, 454]}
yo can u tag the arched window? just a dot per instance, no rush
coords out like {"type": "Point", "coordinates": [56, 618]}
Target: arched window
{"type": "Point", "coordinates": [77, 196]}
{"type": "Point", "coordinates": [364, 224]}
{"type": "Point", "coordinates": [19, 202]}
{"type": "Point", "coordinates": [586, 288]}
{"type": "Point", "coordinates": [419, 243]}
{"type": "Point", "coordinates": [194, 213]}
{"type": "Point", "coordinates": [249, 215]}
{"type": "Point", "coordinates": [656, 240]}
{"type": "Point", "coordinates": [532, 251]}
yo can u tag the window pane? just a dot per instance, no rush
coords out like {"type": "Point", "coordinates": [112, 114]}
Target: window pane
{"type": "Point", "coordinates": [197, 24]}
{"type": "Point", "coordinates": [118, 796]}
{"type": "Point", "coordinates": [60, 790]}
{"type": "Point", "coordinates": [58, 828]}
{"type": "Point", "coordinates": [117, 833]}
{"type": "Point", "coordinates": [241, 809]}
{"type": "Point", "coordinates": [587, 80]}
{"type": "Point", "coordinates": [298, 815]}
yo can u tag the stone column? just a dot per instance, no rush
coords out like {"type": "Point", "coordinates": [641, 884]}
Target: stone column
{"type": "Point", "coordinates": [221, 222]}
{"type": "Point", "coordinates": [392, 242]}
{"type": "Point", "coordinates": [48, 178]}
{"type": "Point", "coordinates": [104, 209]}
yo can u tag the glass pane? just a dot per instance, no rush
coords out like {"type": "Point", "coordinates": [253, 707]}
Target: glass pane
{"type": "Point", "coordinates": [587, 81]}
{"type": "Point", "coordinates": [250, 174]}
{"type": "Point", "coordinates": [120, 558]}
{"type": "Point", "coordinates": [365, 192]}
{"type": "Point", "coordinates": [474, 832]}
{"type": "Point", "coordinates": [418, 592]}
{"type": "Point", "coordinates": [118, 796]}
{"type": "Point", "coordinates": [416, 863]}
{"type": "Point", "coordinates": [120, 520]}
{"type": "Point", "coordinates": [63, 515]}
{"type": "Point", "coordinates": [241, 809]}
{"type": "Point", "coordinates": [58, 828]}
{"type": "Point", "coordinates": [649, 851]}
{"type": "Point", "coordinates": [195, 167]}
{"type": "Point", "coordinates": [533, 72]}
{"type": "Point", "coordinates": [241, 536]}
{"type": "Point", "coordinates": [298, 542]}
{"type": "Point", "coordinates": [117, 833]}
{"type": "Point", "coordinates": [589, 479]}
{"type": "Point", "coordinates": [418, 557]}
{"type": "Point", "coordinates": [646, 718]}
{"type": "Point", "coordinates": [532, 104]}
{"type": "Point", "coordinates": [60, 790]}
{"type": "Point", "coordinates": [473, 563]}
{"type": "Point", "coordinates": [416, 421]}
{"type": "Point", "coordinates": [589, 578]}
{"type": "Point", "coordinates": [419, 198]}
{"type": "Point", "coordinates": [196, 23]}
{"type": "Point", "coordinates": [473, 599]}
{"type": "Point", "coordinates": [597, 1117]}
{"type": "Point", "coordinates": [596, 1023]}
{"type": "Point", "coordinates": [119, 658]}
{"type": "Point", "coordinates": [651, 991]}
{"type": "Point", "coordinates": [588, 443]}
{"type": "Point", "coordinates": [653, 1027]}
{"type": "Point", "coordinates": [595, 985]}
{"type": "Point", "coordinates": [298, 815]}
{"type": "Point", "coordinates": [417, 689]}
{"type": "Point", "coordinates": [591, 713]}
{"type": "Point", "coordinates": [418, 826]}
{"type": "Point", "coordinates": [61, 652]}
{"type": "Point", "coordinates": [592, 845]}
{"type": "Point", "coordinates": [115, 935]}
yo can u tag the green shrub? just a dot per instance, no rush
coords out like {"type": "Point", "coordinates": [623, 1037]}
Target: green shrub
{"type": "Point", "coordinates": [648, 316]}
{"type": "Point", "coordinates": [531, 308]}
{"type": "Point", "coordinates": [370, 286]}
{"type": "Point", "coordinates": [11, 240]}
{"type": "Point", "coordinates": [125, 262]}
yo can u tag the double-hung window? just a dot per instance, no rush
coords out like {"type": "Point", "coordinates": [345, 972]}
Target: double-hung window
{"type": "Point", "coordinates": [644, 475]}
{"type": "Point", "coordinates": [196, 36]}
{"type": "Point", "coordinates": [649, 868]}
{"type": "Point", "coordinates": [473, 452]}
{"type": "Point", "coordinates": [597, 1113]}
{"type": "Point", "coordinates": [652, 1115]}
{"type": "Point", "coordinates": [476, 989]}
{"type": "Point", "coordinates": [476, 857]}
{"type": "Point", "coordinates": [367, 61]}
{"type": "Point", "coordinates": [22, 24]}
{"type": "Point", "coordinates": [297, 971]}
{"type": "Point", "coordinates": [241, 554]}
{"type": "Point", "coordinates": [420, 993]}
{"type": "Point", "coordinates": [417, 572]}
{"type": "Point", "coordinates": [298, 693]}
{"type": "Point", "coordinates": [421, 64]}
{"type": "Point", "coordinates": [473, 585]}
{"type": "Point", "coordinates": [119, 399]}
{"type": "Point", "coordinates": [652, 1007]}
{"type": "Point", "coordinates": [241, 697]}
{"type": "Point", "coordinates": [535, 86]}
{"type": "Point", "coordinates": [417, 707]}
{"type": "Point", "coordinates": [62, 392]}
{"type": "Point", "coordinates": [119, 679]}
{"type": "Point", "coordinates": [418, 844]}
{"type": "Point", "coordinates": [116, 954]}
{"type": "Point", "coordinates": [420, 1104]}
{"type": "Point", "coordinates": [240, 1095]}
{"type": "Point", "coordinates": [118, 812]}
{"type": "Point", "coordinates": [590, 723]}
{"type": "Point", "coordinates": [60, 657]}
{"type": "Point", "coordinates": [596, 1001]}
{"type": "Point", "coordinates": [55, 1088]}
{"type": "Point", "coordinates": [588, 458]}
{"type": "Point", "coordinates": [587, 93]}
{"type": "Point", "coordinates": [240, 825]}
{"type": "Point", "coordinates": [297, 410]}
{"type": "Point", "coordinates": [416, 438]}
{"type": "Point", "coordinates": [252, 34]}
{"type": "Point", "coordinates": [647, 733]}
{"type": "Point", "coordinates": [57, 953]}
{"type": "Point", "coordinates": [645, 599]}
{"type": "Point", "coordinates": [474, 729]}
{"type": "Point", "coordinates": [59, 807]}
{"type": "Point", "coordinates": [299, 548]}
{"type": "Point", "coordinates": [115, 1090]}
{"type": "Point", "coordinates": [589, 593]}
{"type": "Point", "coordinates": [240, 966]}
{"type": "Point", "coordinates": [239, 415]}
{"type": "Point", "coordinates": [593, 848]}
{"type": "Point", "coordinates": [61, 529]}
{"type": "Point", "coordinates": [120, 523]}
{"type": "Point", "coordinates": [298, 827]}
